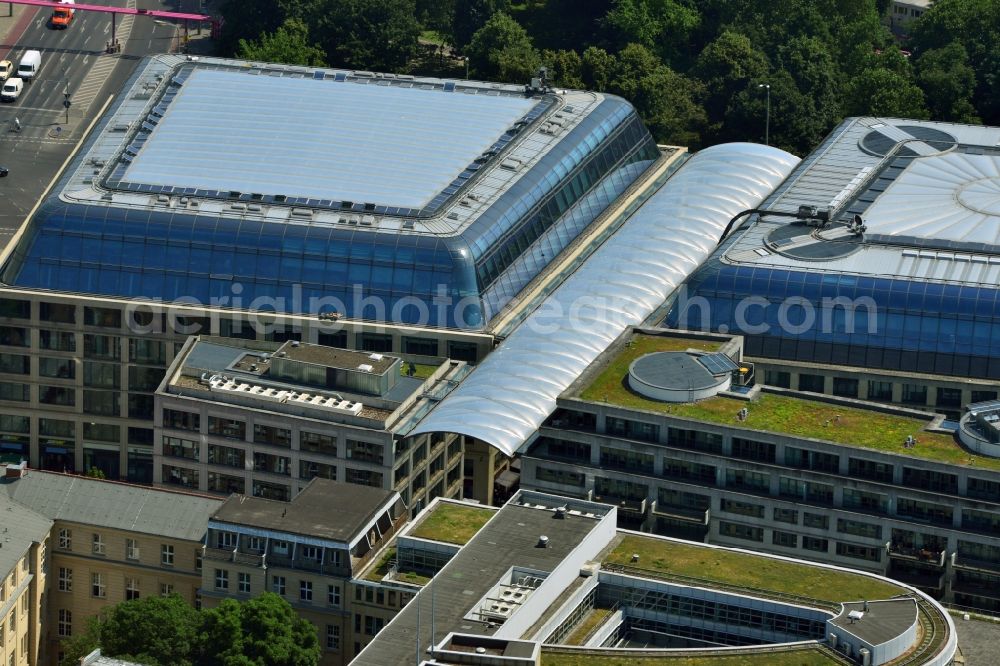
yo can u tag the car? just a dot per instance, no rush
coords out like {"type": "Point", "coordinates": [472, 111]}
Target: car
{"type": "Point", "coordinates": [6, 66]}
{"type": "Point", "coordinates": [3, 172]}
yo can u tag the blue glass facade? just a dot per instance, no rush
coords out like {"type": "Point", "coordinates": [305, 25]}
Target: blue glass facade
{"type": "Point", "coordinates": [898, 324]}
{"type": "Point", "coordinates": [177, 254]}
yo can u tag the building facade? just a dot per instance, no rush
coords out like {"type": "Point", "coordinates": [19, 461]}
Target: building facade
{"type": "Point", "coordinates": [877, 488]}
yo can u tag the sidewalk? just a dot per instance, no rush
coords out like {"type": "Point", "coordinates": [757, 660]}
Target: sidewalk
{"type": "Point", "coordinates": [14, 20]}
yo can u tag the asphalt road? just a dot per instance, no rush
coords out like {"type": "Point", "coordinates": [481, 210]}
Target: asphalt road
{"type": "Point", "coordinates": [73, 60]}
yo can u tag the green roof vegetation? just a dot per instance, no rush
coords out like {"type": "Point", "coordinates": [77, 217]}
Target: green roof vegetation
{"type": "Point", "coordinates": [593, 618]}
{"type": "Point", "coordinates": [452, 523]}
{"type": "Point", "coordinates": [422, 370]}
{"type": "Point", "coordinates": [789, 415]}
{"type": "Point", "coordinates": [806, 656]}
{"type": "Point", "coordinates": [378, 572]}
{"type": "Point", "coordinates": [751, 572]}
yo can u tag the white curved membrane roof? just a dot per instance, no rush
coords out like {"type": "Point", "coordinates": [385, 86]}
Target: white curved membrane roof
{"type": "Point", "coordinates": [515, 388]}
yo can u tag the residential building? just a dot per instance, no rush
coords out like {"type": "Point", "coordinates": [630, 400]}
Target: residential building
{"type": "Point", "coordinates": [107, 542]}
{"type": "Point", "coordinates": [859, 484]}
{"type": "Point", "coordinates": [263, 419]}
{"type": "Point", "coordinates": [549, 578]}
{"type": "Point", "coordinates": [24, 569]}
{"type": "Point", "coordinates": [306, 550]}
{"type": "Point", "coordinates": [904, 12]}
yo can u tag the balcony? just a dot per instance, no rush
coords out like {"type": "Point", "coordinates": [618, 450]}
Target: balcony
{"type": "Point", "coordinates": [975, 588]}
{"type": "Point", "coordinates": [227, 555]}
{"type": "Point", "coordinates": [683, 513]}
{"type": "Point", "coordinates": [926, 555]}
{"type": "Point", "coordinates": [624, 505]}
{"type": "Point", "coordinates": [960, 561]}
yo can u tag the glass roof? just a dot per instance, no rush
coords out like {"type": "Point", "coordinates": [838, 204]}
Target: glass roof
{"type": "Point", "coordinates": [324, 139]}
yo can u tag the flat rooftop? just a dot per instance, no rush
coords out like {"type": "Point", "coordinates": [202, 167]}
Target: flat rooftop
{"type": "Point", "coordinates": [332, 357]}
{"type": "Point", "coordinates": [755, 575]}
{"type": "Point", "coordinates": [324, 509]}
{"type": "Point", "coordinates": [509, 540]}
{"type": "Point", "coordinates": [318, 138]}
{"type": "Point", "coordinates": [771, 412]}
{"type": "Point", "coordinates": [881, 621]}
{"type": "Point", "coordinates": [451, 522]}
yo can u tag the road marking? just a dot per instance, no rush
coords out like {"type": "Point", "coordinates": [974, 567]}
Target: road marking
{"type": "Point", "coordinates": [95, 79]}
{"type": "Point", "coordinates": [35, 108]}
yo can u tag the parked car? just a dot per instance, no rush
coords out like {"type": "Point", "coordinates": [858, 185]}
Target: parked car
{"type": "Point", "coordinates": [11, 89]}
{"type": "Point", "coordinates": [6, 67]}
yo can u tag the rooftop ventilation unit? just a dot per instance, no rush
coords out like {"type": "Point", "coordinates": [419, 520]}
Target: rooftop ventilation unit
{"type": "Point", "coordinates": [364, 367]}
{"type": "Point", "coordinates": [376, 357]}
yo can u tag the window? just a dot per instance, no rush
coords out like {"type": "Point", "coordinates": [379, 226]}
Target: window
{"type": "Point", "coordinates": [332, 637]}
{"type": "Point", "coordinates": [305, 590]}
{"type": "Point", "coordinates": [872, 553]}
{"type": "Point", "coordinates": [14, 336]}
{"type": "Point", "coordinates": [243, 583]}
{"type": "Point", "coordinates": [173, 418]}
{"type": "Point", "coordinates": [317, 443]}
{"type": "Point", "coordinates": [102, 403]}
{"type": "Point", "coordinates": [983, 396]}
{"type": "Point", "coordinates": [131, 549]}
{"type": "Point", "coordinates": [914, 394]}
{"type": "Point", "coordinates": [751, 450]}
{"type": "Point", "coordinates": [333, 595]}
{"type": "Point", "coordinates": [816, 520]}
{"type": "Point", "coordinates": [278, 585]}
{"type": "Point", "coordinates": [858, 528]}
{"type": "Point", "coordinates": [744, 532]}
{"type": "Point", "coordinates": [812, 383]}
{"type": "Point", "coordinates": [65, 627]}
{"type": "Point", "coordinates": [741, 508]}
{"type": "Point", "coordinates": [97, 544]}
{"type": "Point", "coordinates": [845, 387]}
{"type": "Point", "coordinates": [131, 588]}
{"type": "Point", "coordinates": [311, 553]}
{"type": "Point", "coordinates": [420, 346]}
{"type": "Point", "coordinates": [862, 500]}
{"type": "Point", "coordinates": [66, 539]}
{"type": "Point", "coordinates": [879, 390]}
{"type": "Point", "coordinates": [221, 579]}
{"type": "Point", "coordinates": [949, 397]}
{"type": "Point", "coordinates": [273, 435]}
{"type": "Point", "coordinates": [97, 585]}
{"type": "Point", "coordinates": [103, 317]}
{"type": "Point", "coordinates": [167, 555]}
{"type": "Point", "coordinates": [256, 545]}
{"type": "Point", "coordinates": [166, 589]}
{"type": "Point", "coordinates": [57, 395]}
{"type": "Point", "coordinates": [930, 480]}
{"type": "Point", "coordinates": [778, 378]}
{"type": "Point", "coordinates": [815, 544]}
{"type": "Point", "coordinates": [786, 515]}
{"type": "Point", "coordinates": [227, 540]}
{"type": "Point", "coordinates": [784, 539]}
{"type": "Point", "coordinates": [65, 580]}
{"type": "Point", "coordinates": [15, 364]}
{"type": "Point", "coordinates": [869, 469]}
{"type": "Point", "coordinates": [14, 391]}
{"type": "Point", "coordinates": [228, 428]}
{"type": "Point", "coordinates": [59, 368]}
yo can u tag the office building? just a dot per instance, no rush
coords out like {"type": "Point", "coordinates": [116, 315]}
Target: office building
{"type": "Point", "coordinates": [549, 578]}
{"type": "Point", "coordinates": [405, 223]}
{"type": "Point", "coordinates": [307, 551]}
{"type": "Point", "coordinates": [263, 419]}
{"type": "Point", "coordinates": [662, 427]}
{"type": "Point", "coordinates": [105, 543]}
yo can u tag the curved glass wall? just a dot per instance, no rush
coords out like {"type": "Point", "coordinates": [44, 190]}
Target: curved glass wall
{"type": "Point", "coordinates": [179, 255]}
{"type": "Point", "coordinates": [891, 324]}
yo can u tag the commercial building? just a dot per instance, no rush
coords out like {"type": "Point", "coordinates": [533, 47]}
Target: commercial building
{"type": "Point", "coordinates": [263, 419]}
{"type": "Point", "coordinates": [105, 543]}
{"type": "Point", "coordinates": [859, 484]}
{"type": "Point", "coordinates": [307, 550]}
{"type": "Point", "coordinates": [548, 579]}
{"type": "Point", "coordinates": [404, 223]}
{"type": "Point", "coordinates": [897, 306]}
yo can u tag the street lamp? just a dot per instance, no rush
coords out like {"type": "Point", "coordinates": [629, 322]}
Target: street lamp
{"type": "Point", "coordinates": [767, 117]}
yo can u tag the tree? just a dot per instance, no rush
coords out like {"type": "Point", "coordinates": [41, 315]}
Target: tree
{"type": "Point", "coordinates": [288, 44]}
{"type": "Point", "coordinates": [249, 19]}
{"type": "Point", "coordinates": [378, 35]}
{"type": "Point", "coordinates": [264, 631]}
{"type": "Point", "coordinates": [948, 83]}
{"type": "Point", "coordinates": [597, 67]}
{"type": "Point", "coordinates": [166, 631]}
{"type": "Point", "coordinates": [883, 92]}
{"type": "Point", "coordinates": [470, 16]}
{"type": "Point", "coordinates": [804, 94]}
{"type": "Point", "coordinates": [727, 68]}
{"type": "Point", "coordinates": [565, 68]}
{"type": "Point", "coordinates": [662, 26]}
{"type": "Point", "coordinates": [502, 50]}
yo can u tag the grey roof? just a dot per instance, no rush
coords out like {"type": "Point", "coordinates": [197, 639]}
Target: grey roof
{"type": "Point", "coordinates": [324, 509]}
{"type": "Point", "coordinates": [319, 138]}
{"type": "Point", "coordinates": [515, 388]}
{"type": "Point", "coordinates": [21, 527]}
{"type": "Point", "coordinates": [508, 539]}
{"type": "Point", "coordinates": [114, 505]}
{"type": "Point", "coordinates": [883, 621]}
{"type": "Point", "coordinates": [673, 370]}
{"type": "Point", "coordinates": [929, 194]}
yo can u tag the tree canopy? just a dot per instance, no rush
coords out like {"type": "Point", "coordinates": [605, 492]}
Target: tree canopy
{"type": "Point", "coordinates": [166, 631]}
{"type": "Point", "coordinates": [692, 68]}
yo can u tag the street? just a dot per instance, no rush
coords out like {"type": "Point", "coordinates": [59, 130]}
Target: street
{"type": "Point", "coordinates": [74, 61]}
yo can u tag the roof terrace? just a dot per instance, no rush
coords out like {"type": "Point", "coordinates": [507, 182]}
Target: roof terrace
{"type": "Point", "coordinates": [861, 427]}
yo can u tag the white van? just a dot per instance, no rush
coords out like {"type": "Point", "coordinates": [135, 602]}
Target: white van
{"type": "Point", "coordinates": [11, 89]}
{"type": "Point", "coordinates": [30, 63]}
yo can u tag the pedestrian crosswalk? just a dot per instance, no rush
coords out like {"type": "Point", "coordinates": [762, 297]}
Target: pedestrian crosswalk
{"type": "Point", "coordinates": [91, 85]}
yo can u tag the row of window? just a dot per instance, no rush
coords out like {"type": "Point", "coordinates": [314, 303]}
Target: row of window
{"type": "Point", "coordinates": [849, 387]}
{"type": "Point", "coordinates": [791, 540]}
{"type": "Point", "coordinates": [278, 586]}
{"type": "Point", "coordinates": [98, 546]}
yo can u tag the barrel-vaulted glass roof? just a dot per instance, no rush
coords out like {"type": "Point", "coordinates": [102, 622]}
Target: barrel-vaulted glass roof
{"type": "Point", "coordinates": [242, 131]}
{"type": "Point", "coordinates": [514, 390]}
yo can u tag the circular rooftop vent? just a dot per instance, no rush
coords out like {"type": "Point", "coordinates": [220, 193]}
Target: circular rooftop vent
{"type": "Point", "coordinates": [680, 376]}
{"type": "Point", "coordinates": [880, 142]}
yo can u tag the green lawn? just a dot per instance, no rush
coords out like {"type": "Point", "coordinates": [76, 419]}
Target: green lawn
{"type": "Point", "coordinates": [801, 657]}
{"type": "Point", "coordinates": [594, 617]}
{"type": "Point", "coordinates": [785, 414]}
{"type": "Point", "coordinates": [452, 523]}
{"type": "Point", "coordinates": [377, 573]}
{"type": "Point", "coordinates": [750, 571]}
{"type": "Point", "coordinates": [608, 384]}
{"type": "Point", "coordinates": [423, 371]}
